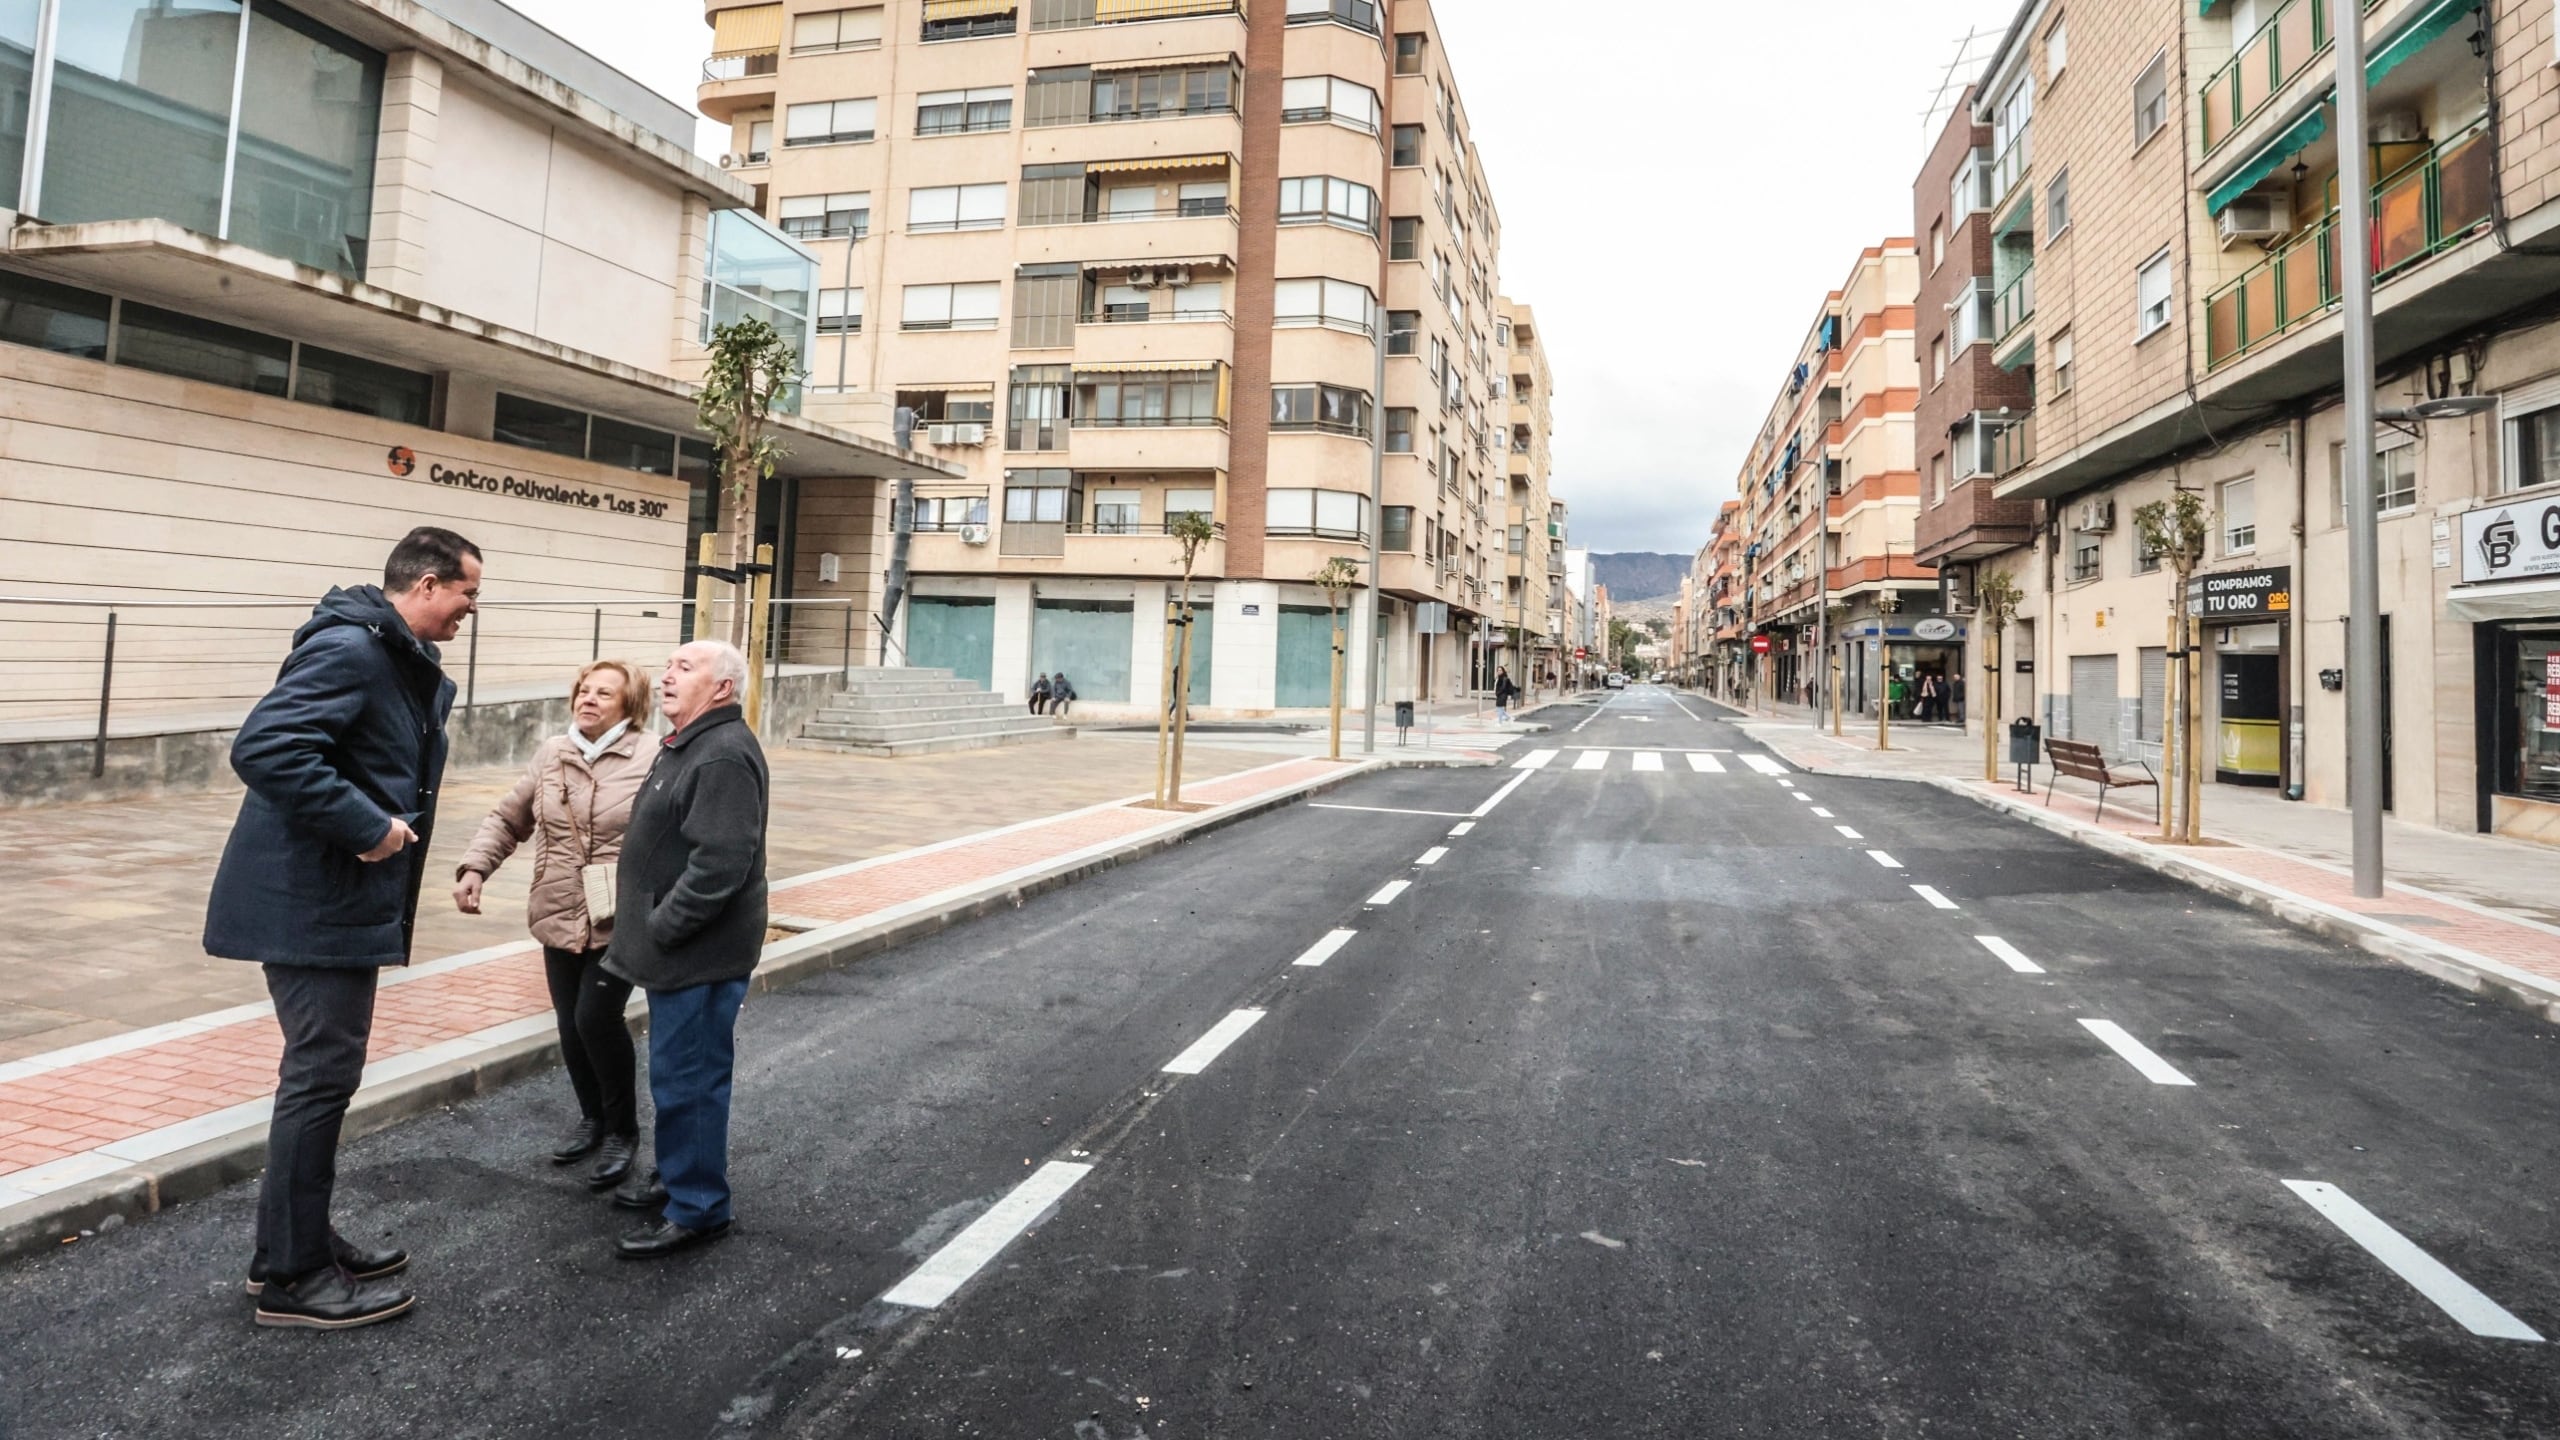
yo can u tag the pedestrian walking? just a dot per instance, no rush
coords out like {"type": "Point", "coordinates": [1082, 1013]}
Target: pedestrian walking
{"type": "Point", "coordinates": [1505, 690]}
{"type": "Point", "coordinates": [1061, 693]}
{"type": "Point", "coordinates": [319, 884]}
{"type": "Point", "coordinates": [691, 908]}
{"type": "Point", "coordinates": [1955, 694]}
{"type": "Point", "coordinates": [1040, 694]}
{"type": "Point", "coordinates": [573, 804]}
{"type": "Point", "coordinates": [1932, 699]}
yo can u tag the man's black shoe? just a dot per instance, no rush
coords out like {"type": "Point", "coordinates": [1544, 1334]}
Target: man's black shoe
{"type": "Point", "coordinates": [331, 1299]}
{"type": "Point", "coordinates": [641, 1192]}
{"type": "Point", "coordinates": [613, 1163]}
{"type": "Point", "coordinates": [666, 1238]}
{"type": "Point", "coordinates": [579, 1143]}
{"type": "Point", "coordinates": [359, 1263]}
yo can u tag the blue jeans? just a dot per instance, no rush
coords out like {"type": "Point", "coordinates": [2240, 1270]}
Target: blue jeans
{"type": "Point", "coordinates": [693, 1052]}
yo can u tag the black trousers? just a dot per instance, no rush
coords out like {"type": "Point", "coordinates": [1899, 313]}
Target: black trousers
{"type": "Point", "coordinates": [327, 1017]}
{"type": "Point", "coordinates": [595, 1042]}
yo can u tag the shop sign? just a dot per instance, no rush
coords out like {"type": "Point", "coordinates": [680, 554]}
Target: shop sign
{"type": "Point", "coordinates": [404, 461]}
{"type": "Point", "coordinates": [2229, 593]}
{"type": "Point", "coordinates": [1934, 629]}
{"type": "Point", "coordinates": [2511, 542]}
{"type": "Point", "coordinates": [2551, 690]}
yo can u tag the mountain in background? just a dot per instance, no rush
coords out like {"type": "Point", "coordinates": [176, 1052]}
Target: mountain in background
{"type": "Point", "coordinates": [1636, 575]}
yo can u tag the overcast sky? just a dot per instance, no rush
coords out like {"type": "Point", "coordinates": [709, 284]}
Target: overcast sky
{"type": "Point", "coordinates": [1681, 181]}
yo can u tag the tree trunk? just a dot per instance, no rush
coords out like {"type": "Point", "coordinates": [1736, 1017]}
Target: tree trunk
{"type": "Point", "coordinates": [742, 535]}
{"type": "Point", "coordinates": [1182, 695]}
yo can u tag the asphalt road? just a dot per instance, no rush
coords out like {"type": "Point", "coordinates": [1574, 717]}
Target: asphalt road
{"type": "Point", "coordinates": [1654, 1105]}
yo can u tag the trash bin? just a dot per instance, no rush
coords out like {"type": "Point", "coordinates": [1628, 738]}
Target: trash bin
{"type": "Point", "coordinates": [2026, 742]}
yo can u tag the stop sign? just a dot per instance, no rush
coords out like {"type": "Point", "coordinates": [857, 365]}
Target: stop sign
{"type": "Point", "coordinates": [1759, 644]}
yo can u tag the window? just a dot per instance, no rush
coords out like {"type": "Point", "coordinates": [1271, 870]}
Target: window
{"type": "Point", "coordinates": [840, 312]}
{"type": "Point", "coordinates": [1045, 301]}
{"type": "Point", "coordinates": [1938, 476]}
{"type": "Point", "coordinates": [828, 122]}
{"type": "Point", "coordinates": [1331, 514]}
{"type": "Point", "coordinates": [1970, 318]}
{"type": "Point", "coordinates": [955, 207]}
{"type": "Point", "coordinates": [1053, 194]}
{"type": "Point", "coordinates": [1970, 189]}
{"type": "Point", "coordinates": [965, 19]}
{"type": "Point", "coordinates": [149, 338]}
{"type": "Point", "coordinates": [1203, 503]}
{"type": "Point", "coordinates": [1361, 15]}
{"type": "Point", "coordinates": [368, 387]}
{"type": "Point", "coordinates": [631, 447]}
{"type": "Point", "coordinates": [1037, 419]}
{"type": "Point", "coordinates": [2239, 509]}
{"type": "Point", "coordinates": [1330, 97]}
{"type": "Point", "coordinates": [2086, 555]}
{"type": "Point", "coordinates": [539, 425]}
{"type": "Point", "coordinates": [2062, 363]}
{"type": "Point", "coordinates": [2152, 293]}
{"type": "Point", "coordinates": [826, 217]}
{"type": "Point", "coordinates": [2056, 49]}
{"type": "Point", "coordinates": [1179, 90]}
{"type": "Point", "coordinates": [1409, 51]}
{"type": "Point", "coordinates": [1040, 497]}
{"type": "Point", "coordinates": [2057, 207]}
{"type": "Point", "coordinates": [2151, 101]}
{"type": "Point", "coordinates": [2395, 478]}
{"type": "Point", "coordinates": [2146, 559]}
{"type": "Point", "coordinates": [1402, 327]}
{"type": "Point", "coordinates": [964, 112]}
{"type": "Point", "coordinates": [941, 514]}
{"type": "Point", "coordinates": [1938, 359]}
{"type": "Point", "coordinates": [1324, 199]}
{"type": "Point", "coordinates": [1408, 146]}
{"type": "Point", "coordinates": [1399, 430]}
{"type": "Point", "coordinates": [759, 141]}
{"type": "Point", "coordinates": [1200, 300]}
{"type": "Point", "coordinates": [1334, 304]}
{"type": "Point", "coordinates": [2533, 449]}
{"type": "Point", "coordinates": [1937, 243]}
{"type": "Point", "coordinates": [1115, 512]}
{"type": "Point", "coordinates": [756, 272]}
{"type": "Point", "coordinates": [1121, 304]}
{"type": "Point", "coordinates": [836, 30]}
{"type": "Point", "coordinates": [1395, 529]}
{"type": "Point", "coordinates": [46, 316]}
{"type": "Point", "coordinates": [970, 306]}
{"type": "Point", "coordinates": [1197, 199]}
{"type": "Point", "coordinates": [1404, 240]}
{"type": "Point", "coordinates": [1334, 409]}
{"type": "Point", "coordinates": [1148, 399]}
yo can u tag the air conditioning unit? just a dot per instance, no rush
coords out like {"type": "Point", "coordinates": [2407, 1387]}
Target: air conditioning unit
{"type": "Point", "coordinates": [973, 534]}
{"type": "Point", "coordinates": [2097, 515]}
{"type": "Point", "coordinates": [1142, 279]}
{"type": "Point", "coordinates": [2252, 217]}
{"type": "Point", "coordinates": [728, 162]}
{"type": "Point", "coordinates": [1178, 275]}
{"type": "Point", "coordinates": [2400, 127]}
{"type": "Point", "coordinates": [958, 432]}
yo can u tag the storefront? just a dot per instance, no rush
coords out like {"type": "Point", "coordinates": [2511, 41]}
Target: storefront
{"type": "Point", "coordinates": [1919, 664]}
{"type": "Point", "coordinates": [2511, 594]}
{"type": "Point", "coordinates": [2246, 617]}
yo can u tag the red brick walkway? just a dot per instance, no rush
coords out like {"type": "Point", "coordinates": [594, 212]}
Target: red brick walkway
{"type": "Point", "coordinates": [60, 1113]}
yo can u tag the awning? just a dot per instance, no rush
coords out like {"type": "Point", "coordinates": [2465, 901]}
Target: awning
{"type": "Point", "coordinates": [2270, 158]}
{"type": "Point", "coordinates": [2506, 600]}
{"type": "Point", "coordinates": [1163, 62]}
{"type": "Point", "coordinates": [2432, 21]}
{"type": "Point", "coordinates": [956, 387]}
{"type": "Point", "coordinates": [1147, 367]}
{"type": "Point", "coordinates": [964, 9]}
{"type": "Point", "coordinates": [756, 27]}
{"type": "Point", "coordinates": [1109, 10]}
{"type": "Point", "coordinates": [1159, 162]}
{"type": "Point", "coordinates": [1196, 262]}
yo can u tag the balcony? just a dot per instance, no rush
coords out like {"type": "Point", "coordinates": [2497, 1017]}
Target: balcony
{"type": "Point", "coordinates": [2010, 166]}
{"type": "Point", "coordinates": [2427, 206]}
{"type": "Point", "coordinates": [2262, 64]}
{"type": "Point", "coordinates": [2013, 447]}
{"type": "Point", "coordinates": [2011, 312]}
{"type": "Point", "coordinates": [737, 81]}
{"type": "Point", "coordinates": [1088, 13]}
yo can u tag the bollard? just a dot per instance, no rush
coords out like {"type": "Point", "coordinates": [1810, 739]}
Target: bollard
{"type": "Point", "coordinates": [471, 669]}
{"type": "Point", "coordinates": [106, 689]}
{"type": "Point", "coordinates": [595, 646]}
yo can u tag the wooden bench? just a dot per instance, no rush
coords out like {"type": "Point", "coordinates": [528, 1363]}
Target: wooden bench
{"type": "Point", "coordinates": [2082, 761]}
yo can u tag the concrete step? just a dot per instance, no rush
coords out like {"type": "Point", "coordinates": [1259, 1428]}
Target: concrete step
{"type": "Point", "coordinates": [912, 687]}
{"type": "Point", "coordinates": [882, 730]}
{"type": "Point", "coordinates": [936, 745]}
{"type": "Point", "coordinates": [952, 700]}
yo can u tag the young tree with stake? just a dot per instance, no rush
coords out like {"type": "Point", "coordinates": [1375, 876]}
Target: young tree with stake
{"type": "Point", "coordinates": [2174, 530]}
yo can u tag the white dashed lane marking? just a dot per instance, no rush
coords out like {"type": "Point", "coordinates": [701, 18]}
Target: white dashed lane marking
{"type": "Point", "coordinates": [1210, 1046]}
{"type": "Point", "coordinates": [2009, 955]}
{"type": "Point", "coordinates": [1845, 832]}
{"type": "Point", "coordinates": [1933, 897]}
{"type": "Point", "coordinates": [1537, 760]}
{"type": "Point", "coordinates": [937, 1279]}
{"type": "Point", "coordinates": [1325, 949]}
{"type": "Point", "coordinates": [1884, 859]}
{"type": "Point", "coordinates": [1591, 760]}
{"type": "Point", "coordinates": [1432, 855]}
{"type": "Point", "coordinates": [2451, 1293]}
{"type": "Point", "coordinates": [1461, 828]}
{"type": "Point", "coordinates": [1819, 811]}
{"type": "Point", "coordinates": [1388, 892]}
{"type": "Point", "coordinates": [2136, 1054]}
{"type": "Point", "coordinates": [1649, 760]}
{"type": "Point", "coordinates": [1764, 764]}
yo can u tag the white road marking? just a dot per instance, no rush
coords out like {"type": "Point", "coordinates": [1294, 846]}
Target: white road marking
{"type": "Point", "coordinates": [2009, 955]}
{"type": "Point", "coordinates": [1649, 760]}
{"type": "Point", "coordinates": [1591, 760]}
{"type": "Point", "coordinates": [1537, 759]}
{"type": "Point", "coordinates": [2451, 1293]}
{"type": "Point", "coordinates": [1786, 783]}
{"type": "Point", "coordinates": [1388, 892]}
{"type": "Point", "coordinates": [1461, 828]}
{"type": "Point", "coordinates": [1210, 1046]}
{"type": "Point", "coordinates": [1884, 859]}
{"type": "Point", "coordinates": [1685, 710]}
{"type": "Point", "coordinates": [1388, 810]}
{"type": "Point", "coordinates": [1825, 814]}
{"type": "Point", "coordinates": [1498, 797]}
{"type": "Point", "coordinates": [935, 1281]}
{"type": "Point", "coordinates": [2136, 1054]}
{"type": "Point", "coordinates": [1804, 797]}
{"type": "Point", "coordinates": [1324, 949]}
{"type": "Point", "coordinates": [1764, 764]}
{"type": "Point", "coordinates": [1704, 763]}
{"type": "Point", "coordinates": [1933, 897]}
{"type": "Point", "coordinates": [1432, 855]}
{"type": "Point", "coordinates": [1845, 831]}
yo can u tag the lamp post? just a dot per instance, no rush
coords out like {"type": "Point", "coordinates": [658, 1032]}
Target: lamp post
{"type": "Point", "coordinates": [2364, 589]}
{"type": "Point", "coordinates": [1888, 602]}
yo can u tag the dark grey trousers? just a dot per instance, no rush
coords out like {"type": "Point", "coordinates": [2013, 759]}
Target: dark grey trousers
{"type": "Point", "coordinates": [327, 1016]}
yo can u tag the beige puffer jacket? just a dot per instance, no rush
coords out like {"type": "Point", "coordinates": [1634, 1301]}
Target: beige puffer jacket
{"type": "Point", "coordinates": [575, 813]}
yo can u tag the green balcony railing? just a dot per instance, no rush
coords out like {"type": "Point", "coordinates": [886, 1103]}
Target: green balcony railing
{"type": "Point", "coordinates": [2425, 206]}
{"type": "Point", "coordinates": [2297, 34]}
{"type": "Point", "coordinates": [2015, 306]}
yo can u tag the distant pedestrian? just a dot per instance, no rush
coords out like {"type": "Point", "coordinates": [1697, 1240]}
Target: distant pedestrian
{"type": "Point", "coordinates": [1505, 690]}
{"type": "Point", "coordinates": [1955, 694]}
{"type": "Point", "coordinates": [574, 803]}
{"type": "Point", "coordinates": [1062, 693]}
{"type": "Point", "coordinates": [1932, 698]}
{"type": "Point", "coordinates": [1040, 694]}
{"type": "Point", "coordinates": [691, 923]}
{"type": "Point", "coordinates": [319, 884]}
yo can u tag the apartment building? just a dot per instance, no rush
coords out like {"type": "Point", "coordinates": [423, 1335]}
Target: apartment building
{"type": "Point", "coordinates": [2169, 172]}
{"type": "Point", "coordinates": [283, 281]}
{"type": "Point", "coordinates": [1124, 261]}
{"type": "Point", "coordinates": [1830, 498]}
{"type": "Point", "coordinates": [1535, 545]}
{"type": "Point", "coordinates": [1724, 665]}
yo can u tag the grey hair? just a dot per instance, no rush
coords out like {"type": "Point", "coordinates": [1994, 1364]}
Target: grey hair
{"type": "Point", "coordinates": [728, 663]}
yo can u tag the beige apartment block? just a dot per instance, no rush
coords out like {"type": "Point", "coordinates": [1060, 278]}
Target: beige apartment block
{"type": "Point", "coordinates": [1535, 568]}
{"type": "Point", "coordinates": [2219, 374]}
{"type": "Point", "coordinates": [1122, 261]}
{"type": "Point", "coordinates": [284, 281]}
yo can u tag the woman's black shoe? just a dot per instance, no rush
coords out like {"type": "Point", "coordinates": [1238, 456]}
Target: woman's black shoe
{"type": "Point", "coordinates": [579, 1143]}
{"type": "Point", "coordinates": [613, 1163]}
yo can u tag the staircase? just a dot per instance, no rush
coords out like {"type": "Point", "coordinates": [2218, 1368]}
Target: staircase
{"type": "Point", "coordinates": [905, 711]}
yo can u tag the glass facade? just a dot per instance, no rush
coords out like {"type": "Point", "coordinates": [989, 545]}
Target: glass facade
{"type": "Point", "coordinates": [148, 338]}
{"type": "Point", "coordinates": [758, 272]}
{"type": "Point", "coordinates": [365, 387]}
{"type": "Point", "coordinates": [145, 98]}
{"type": "Point", "coordinates": [17, 81]}
{"type": "Point", "coordinates": [2528, 710]}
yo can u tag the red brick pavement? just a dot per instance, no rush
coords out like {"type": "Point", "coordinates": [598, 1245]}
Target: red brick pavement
{"type": "Point", "coordinates": [62, 1113]}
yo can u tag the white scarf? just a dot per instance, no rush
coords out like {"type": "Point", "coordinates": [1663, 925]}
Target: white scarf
{"type": "Point", "coordinates": [593, 748]}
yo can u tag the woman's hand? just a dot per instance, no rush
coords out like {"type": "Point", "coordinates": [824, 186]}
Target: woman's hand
{"type": "Point", "coordinates": [466, 893]}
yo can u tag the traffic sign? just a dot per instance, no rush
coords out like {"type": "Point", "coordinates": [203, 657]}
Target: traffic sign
{"type": "Point", "coordinates": [1759, 644]}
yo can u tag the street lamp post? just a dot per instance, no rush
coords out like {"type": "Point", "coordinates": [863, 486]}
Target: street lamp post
{"type": "Point", "coordinates": [2364, 587]}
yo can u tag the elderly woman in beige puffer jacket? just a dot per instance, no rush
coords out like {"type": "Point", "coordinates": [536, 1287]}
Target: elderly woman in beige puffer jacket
{"type": "Point", "coordinates": [573, 803]}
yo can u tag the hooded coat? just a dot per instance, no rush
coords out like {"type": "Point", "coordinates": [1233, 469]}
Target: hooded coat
{"type": "Point", "coordinates": [351, 736]}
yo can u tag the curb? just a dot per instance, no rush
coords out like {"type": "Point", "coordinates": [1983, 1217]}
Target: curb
{"type": "Point", "coordinates": [131, 1193]}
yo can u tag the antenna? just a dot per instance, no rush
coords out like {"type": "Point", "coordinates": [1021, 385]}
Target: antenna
{"type": "Point", "coordinates": [1971, 51]}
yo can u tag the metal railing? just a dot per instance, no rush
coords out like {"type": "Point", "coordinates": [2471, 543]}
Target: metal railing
{"type": "Point", "coordinates": [742, 64]}
{"type": "Point", "coordinates": [1074, 16]}
{"type": "Point", "coordinates": [2429, 204]}
{"type": "Point", "coordinates": [2015, 306]}
{"type": "Point", "coordinates": [1155, 317]}
{"type": "Point", "coordinates": [1139, 528]}
{"type": "Point", "coordinates": [1187, 210]}
{"type": "Point", "coordinates": [2010, 166]}
{"type": "Point", "coordinates": [2263, 63]}
{"type": "Point", "coordinates": [2013, 447]}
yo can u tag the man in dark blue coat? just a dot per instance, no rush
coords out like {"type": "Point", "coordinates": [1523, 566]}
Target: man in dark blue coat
{"type": "Point", "coordinates": [319, 884]}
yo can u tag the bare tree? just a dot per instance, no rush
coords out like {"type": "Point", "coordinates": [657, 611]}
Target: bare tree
{"type": "Point", "coordinates": [751, 368]}
{"type": "Point", "coordinates": [1192, 530]}
{"type": "Point", "coordinates": [1338, 577]}
{"type": "Point", "coordinates": [2174, 530]}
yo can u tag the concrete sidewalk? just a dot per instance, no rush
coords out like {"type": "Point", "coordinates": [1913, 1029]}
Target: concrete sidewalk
{"type": "Point", "coordinates": [2480, 911]}
{"type": "Point", "coordinates": [128, 1123]}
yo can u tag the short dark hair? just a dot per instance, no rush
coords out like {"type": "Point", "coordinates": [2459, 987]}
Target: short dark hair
{"type": "Point", "coordinates": [423, 552]}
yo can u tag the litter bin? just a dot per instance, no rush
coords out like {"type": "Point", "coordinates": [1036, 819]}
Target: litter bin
{"type": "Point", "coordinates": [1404, 719]}
{"type": "Point", "coordinates": [2026, 744]}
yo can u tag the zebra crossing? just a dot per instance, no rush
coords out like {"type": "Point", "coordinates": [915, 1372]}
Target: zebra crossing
{"type": "Point", "coordinates": [1655, 762]}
